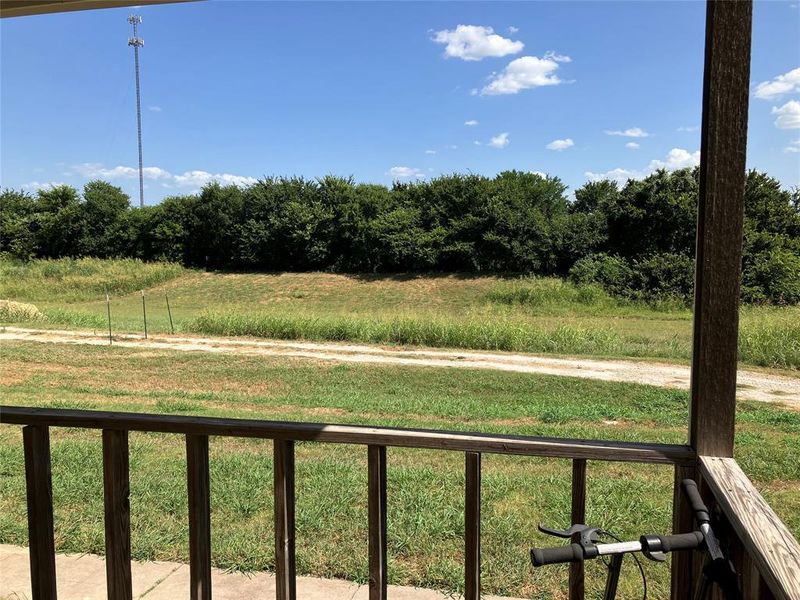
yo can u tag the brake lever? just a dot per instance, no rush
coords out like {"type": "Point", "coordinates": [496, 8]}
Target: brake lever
{"type": "Point", "coordinates": [588, 533]}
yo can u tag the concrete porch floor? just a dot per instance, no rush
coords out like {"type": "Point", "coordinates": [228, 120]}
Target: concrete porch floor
{"type": "Point", "coordinates": [83, 577]}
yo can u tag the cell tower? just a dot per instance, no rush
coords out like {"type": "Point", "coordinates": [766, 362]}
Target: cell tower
{"type": "Point", "coordinates": [137, 43]}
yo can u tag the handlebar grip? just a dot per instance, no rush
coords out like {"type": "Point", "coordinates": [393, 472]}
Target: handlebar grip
{"type": "Point", "coordinates": [671, 543]}
{"type": "Point", "coordinates": [560, 554]}
{"type": "Point", "coordinates": [695, 501]}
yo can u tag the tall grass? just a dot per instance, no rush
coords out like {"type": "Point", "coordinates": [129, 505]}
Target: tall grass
{"type": "Point", "coordinates": [548, 292]}
{"type": "Point", "coordinates": [766, 341]}
{"type": "Point", "coordinates": [552, 293]}
{"type": "Point", "coordinates": [771, 339]}
{"type": "Point", "coordinates": [75, 318]}
{"type": "Point", "coordinates": [479, 334]}
{"type": "Point", "coordinates": [74, 280]}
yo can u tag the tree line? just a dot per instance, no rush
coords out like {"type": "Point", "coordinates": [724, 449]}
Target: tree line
{"type": "Point", "coordinates": [636, 240]}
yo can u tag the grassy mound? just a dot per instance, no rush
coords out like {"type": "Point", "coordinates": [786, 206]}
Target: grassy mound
{"type": "Point", "coordinates": [75, 280]}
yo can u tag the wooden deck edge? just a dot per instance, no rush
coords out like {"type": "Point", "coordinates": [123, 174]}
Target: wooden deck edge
{"type": "Point", "coordinates": [770, 544]}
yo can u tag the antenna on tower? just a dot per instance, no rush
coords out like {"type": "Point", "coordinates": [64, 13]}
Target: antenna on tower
{"type": "Point", "coordinates": [137, 43]}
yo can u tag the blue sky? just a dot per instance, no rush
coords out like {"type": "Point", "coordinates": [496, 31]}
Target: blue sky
{"type": "Point", "coordinates": [239, 90]}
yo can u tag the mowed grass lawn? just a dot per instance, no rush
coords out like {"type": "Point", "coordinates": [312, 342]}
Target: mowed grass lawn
{"type": "Point", "coordinates": [425, 487]}
{"type": "Point", "coordinates": [540, 315]}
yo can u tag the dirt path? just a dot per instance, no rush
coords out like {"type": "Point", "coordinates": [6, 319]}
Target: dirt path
{"type": "Point", "coordinates": [752, 385]}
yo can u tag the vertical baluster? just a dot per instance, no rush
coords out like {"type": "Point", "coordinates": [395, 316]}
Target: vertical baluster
{"type": "Point", "coordinates": [116, 488]}
{"type": "Point", "coordinates": [198, 485]}
{"type": "Point", "coordinates": [378, 574]}
{"type": "Point", "coordinates": [38, 484]}
{"type": "Point", "coordinates": [578, 515]}
{"type": "Point", "coordinates": [285, 584]}
{"type": "Point", "coordinates": [472, 527]}
{"type": "Point", "coordinates": [681, 581]}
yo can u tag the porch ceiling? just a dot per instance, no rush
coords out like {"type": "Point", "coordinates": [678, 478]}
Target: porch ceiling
{"type": "Point", "coordinates": [20, 8]}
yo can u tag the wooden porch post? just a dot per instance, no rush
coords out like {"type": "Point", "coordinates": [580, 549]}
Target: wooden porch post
{"type": "Point", "coordinates": [723, 147]}
{"type": "Point", "coordinates": [720, 212]}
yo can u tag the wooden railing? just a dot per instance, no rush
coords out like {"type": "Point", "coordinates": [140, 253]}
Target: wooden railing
{"type": "Point", "coordinates": [769, 568]}
{"type": "Point", "coordinates": [766, 555]}
{"type": "Point", "coordinates": [115, 428]}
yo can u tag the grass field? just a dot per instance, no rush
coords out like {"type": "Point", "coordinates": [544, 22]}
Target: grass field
{"type": "Point", "coordinates": [425, 487]}
{"type": "Point", "coordinates": [460, 311]}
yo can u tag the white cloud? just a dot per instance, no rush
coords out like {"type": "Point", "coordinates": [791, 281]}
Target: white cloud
{"type": "Point", "coordinates": [474, 42]}
{"type": "Point", "coordinates": [405, 173]}
{"type": "Point", "coordinates": [97, 170]}
{"type": "Point", "coordinates": [477, 143]}
{"type": "Point", "coordinates": [512, 30]}
{"type": "Point", "coordinates": [451, 147]}
{"type": "Point", "coordinates": [560, 145]}
{"type": "Point", "coordinates": [470, 123]}
{"type": "Point", "coordinates": [788, 115]}
{"type": "Point", "coordinates": [634, 132]}
{"type": "Point", "coordinates": [197, 179]}
{"type": "Point", "coordinates": [618, 175]}
{"type": "Point", "coordinates": [794, 146]}
{"type": "Point", "coordinates": [677, 158]}
{"type": "Point", "coordinates": [557, 57]}
{"type": "Point", "coordinates": [499, 141]}
{"type": "Point", "coordinates": [689, 128]}
{"type": "Point", "coordinates": [632, 145]}
{"type": "Point", "coordinates": [194, 179]}
{"type": "Point", "coordinates": [524, 73]}
{"type": "Point", "coordinates": [34, 186]}
{"type": "Point", "coordinates": [782, 84]}
{"type": "Point", "coordinates": [430, 151]}
{"type": "Point", "coordinates": [154, 108]}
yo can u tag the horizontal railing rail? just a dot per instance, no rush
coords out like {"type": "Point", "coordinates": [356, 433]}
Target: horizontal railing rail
{"type": "Point", "coordinates": [115, 427]}
{"type": "Point", "coordinates": [352, 434]}
{"type": "Point", "coordinates": [767, 554]}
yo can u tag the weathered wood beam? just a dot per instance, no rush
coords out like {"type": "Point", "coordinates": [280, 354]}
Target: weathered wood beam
{"type": "Point", "coordinates": [199, 498]}
{"type": "Point", "coordinates": [378, 572]}
{"type": "Point", "coordinates": [39, 488]}
{"type": "Point", "coordinates": [726, 84]}
{"type": "Point", "coordinates": [353, 434]}
{"type": "Point", "coordinates": [775, 553]}
{"type": "Point", "coordinates": [472, 526]}
{"type": "Point", "coordinates": [577, 589]}
{"type": "Point", "coordinates": [285, 569]}
{"type": "Point", "coordinates": [116, 498]}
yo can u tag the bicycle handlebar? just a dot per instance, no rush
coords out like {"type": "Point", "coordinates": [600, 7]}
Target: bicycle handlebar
{"type": "Point", "coordinates": [671, 543]}
{"type": "Point", "coordinates": [559, 554]}
{"type": "Point", "coordinates": [653, 546]}
{"type": "Point", "coordinates": [695, 501]}
{"type": "Point", "coordinates": [649, 544]}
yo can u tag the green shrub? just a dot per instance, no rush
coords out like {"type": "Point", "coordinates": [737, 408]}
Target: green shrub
{"type": "Point", "coordinates": [613, 273]}
{"type": "Point", "coordinates": [664, 277]}
{"type": "Point", "coordinates": [658, 279]}
{"type": "Point", "coordinates": [773, 277]}
{"type": "Point", "coordinates": [535, 291]}
{"type": "Point", "coordinates": [636, 241]}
